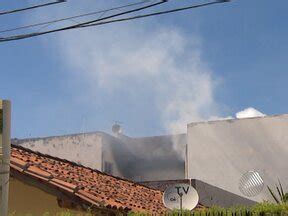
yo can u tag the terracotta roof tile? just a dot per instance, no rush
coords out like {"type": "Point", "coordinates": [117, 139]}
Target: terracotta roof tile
{"type": "Point", "coordinates": [91, 186]}
{"type": "Point", "coordinates": [87, 199]}
{"type": "Point", "coordinates": [38, 171]}
{"type": "Point", "coordinates": [64, 183]}
{"type": "Point", "coordinates": [16, 167]}
{"type": "Point", "coordinates": [59, 186]}
{"type": "Point", "coordinates": [17, 162]}
{"type": "Point", "coordinates": [36, 176]}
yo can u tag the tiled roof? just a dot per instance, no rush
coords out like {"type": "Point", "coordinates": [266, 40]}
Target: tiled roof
{"type": "Point", "coordinates": [90, 186]}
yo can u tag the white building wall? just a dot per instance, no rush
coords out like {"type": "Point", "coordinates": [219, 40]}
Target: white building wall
{"type": "Point", "coordinates": [220, 152]}
{"type": "Point", "coordinates": [85, 149]}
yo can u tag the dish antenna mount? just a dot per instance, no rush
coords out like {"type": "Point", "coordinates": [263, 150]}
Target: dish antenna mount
{"type": "Point", "coordinates": [180, 196]}
{"type": "Point", "coordinates": [116, 128]}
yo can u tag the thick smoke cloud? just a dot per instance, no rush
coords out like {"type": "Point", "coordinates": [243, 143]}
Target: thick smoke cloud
{"type": "Point", "coordinates": [182, 83]}
{"type": "Point", "coordinates": [160, 58]}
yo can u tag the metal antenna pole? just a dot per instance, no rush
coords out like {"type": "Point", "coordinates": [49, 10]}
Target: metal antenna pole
{"type": "Point", "coordinates": [181, 204]}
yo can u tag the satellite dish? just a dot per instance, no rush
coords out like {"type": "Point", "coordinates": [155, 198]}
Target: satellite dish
{"type": "Point", "coordinates": [180, 196]}
{"type": "Point", "coordinates": [116, 128]}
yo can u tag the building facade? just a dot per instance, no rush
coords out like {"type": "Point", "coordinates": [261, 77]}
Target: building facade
{"type": "Point", "coordinates": [221, 152]}
{"type": "Point", "coordinates": [137, 159]}
{"type": "Point", "coordinates": [218, 153]}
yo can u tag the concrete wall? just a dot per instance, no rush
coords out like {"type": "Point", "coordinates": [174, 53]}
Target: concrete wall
{"type": "Point", "coordinates": [93, 150]}
{"type": "Point", "coordinates": [85, 149]}
{"type": "Point", "coordinates": [209, 195]}
{"type": "Point", "coordinates": [154, 158]}
{"type": "Point", "coordinates": [112, 153]}
{"type": "Point", "coordinates": [220, 152]}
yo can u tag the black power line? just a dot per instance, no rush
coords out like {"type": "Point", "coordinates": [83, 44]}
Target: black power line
{"type": "Point", "coordinates": [155, 14]}
{"type": "Point", "coordinates": [102, 21]}
{"type": "Point", "coordinates": [73, 17]}
{"type": "Point", "coordinates": [17, 37]}
{"type": "Point", "coordinates": [31, 7]}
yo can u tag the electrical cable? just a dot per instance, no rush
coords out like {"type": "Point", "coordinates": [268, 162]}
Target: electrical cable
{"type": "Point", "coordinates": [101, 22]}
{"type": "Point", "coordinates": [17, 37]}
{"type": "Point", "coordinates": [32, 7]}
{"type": "Point", "coordinates": [73, 17]}
{"type": "Point", "coordinates": [154, 14]}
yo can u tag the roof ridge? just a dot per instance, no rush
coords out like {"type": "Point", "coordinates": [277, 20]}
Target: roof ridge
{"type": "Point", "coordinates": [236, 119]}
{"type": "Point", "coordinates": [65, 135]}
{"type": "Point", "coordinates": [160, 136]}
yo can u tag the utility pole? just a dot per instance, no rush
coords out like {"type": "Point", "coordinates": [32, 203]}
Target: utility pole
{"type": "Point", "coordinates": [5, 149]}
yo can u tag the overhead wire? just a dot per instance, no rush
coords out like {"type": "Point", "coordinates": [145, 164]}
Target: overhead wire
{"type": "Point", "coordinates": [73, 17]}
{"type": "Point", "coordinates": [154, 14]}
{"type": "Point", "coordinates": [17, 37]}
{"type": "Point", "coordinates": [31, 7]}
{"type": "Point", "coordinates": [102, 21]}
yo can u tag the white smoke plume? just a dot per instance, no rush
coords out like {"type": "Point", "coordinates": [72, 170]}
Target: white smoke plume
{"type": "Point", "coordinates": [144, 58]}
{"type": "Point", "coordinates": [165, 62]}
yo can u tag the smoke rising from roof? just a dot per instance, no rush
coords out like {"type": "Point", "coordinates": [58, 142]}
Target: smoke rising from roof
{"type": "Point", "coordinates": [156, 65]}
{"type": "Point", "coordinates": [166, 62]}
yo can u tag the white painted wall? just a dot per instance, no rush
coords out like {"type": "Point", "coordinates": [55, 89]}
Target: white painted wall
{"type": "Point", "coordinates": [220, 152]}
{"type": "Point", "coordinates": [85, 149]}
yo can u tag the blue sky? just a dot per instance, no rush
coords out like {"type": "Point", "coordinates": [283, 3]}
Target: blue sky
{"type": "Point", "coordinates": [240, 49]}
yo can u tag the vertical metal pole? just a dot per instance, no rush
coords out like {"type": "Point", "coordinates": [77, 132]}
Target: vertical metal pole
{"type": "Point", "coordinates": [5, 162]}
{"type": "Point", "coordinates": [181, 204]}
